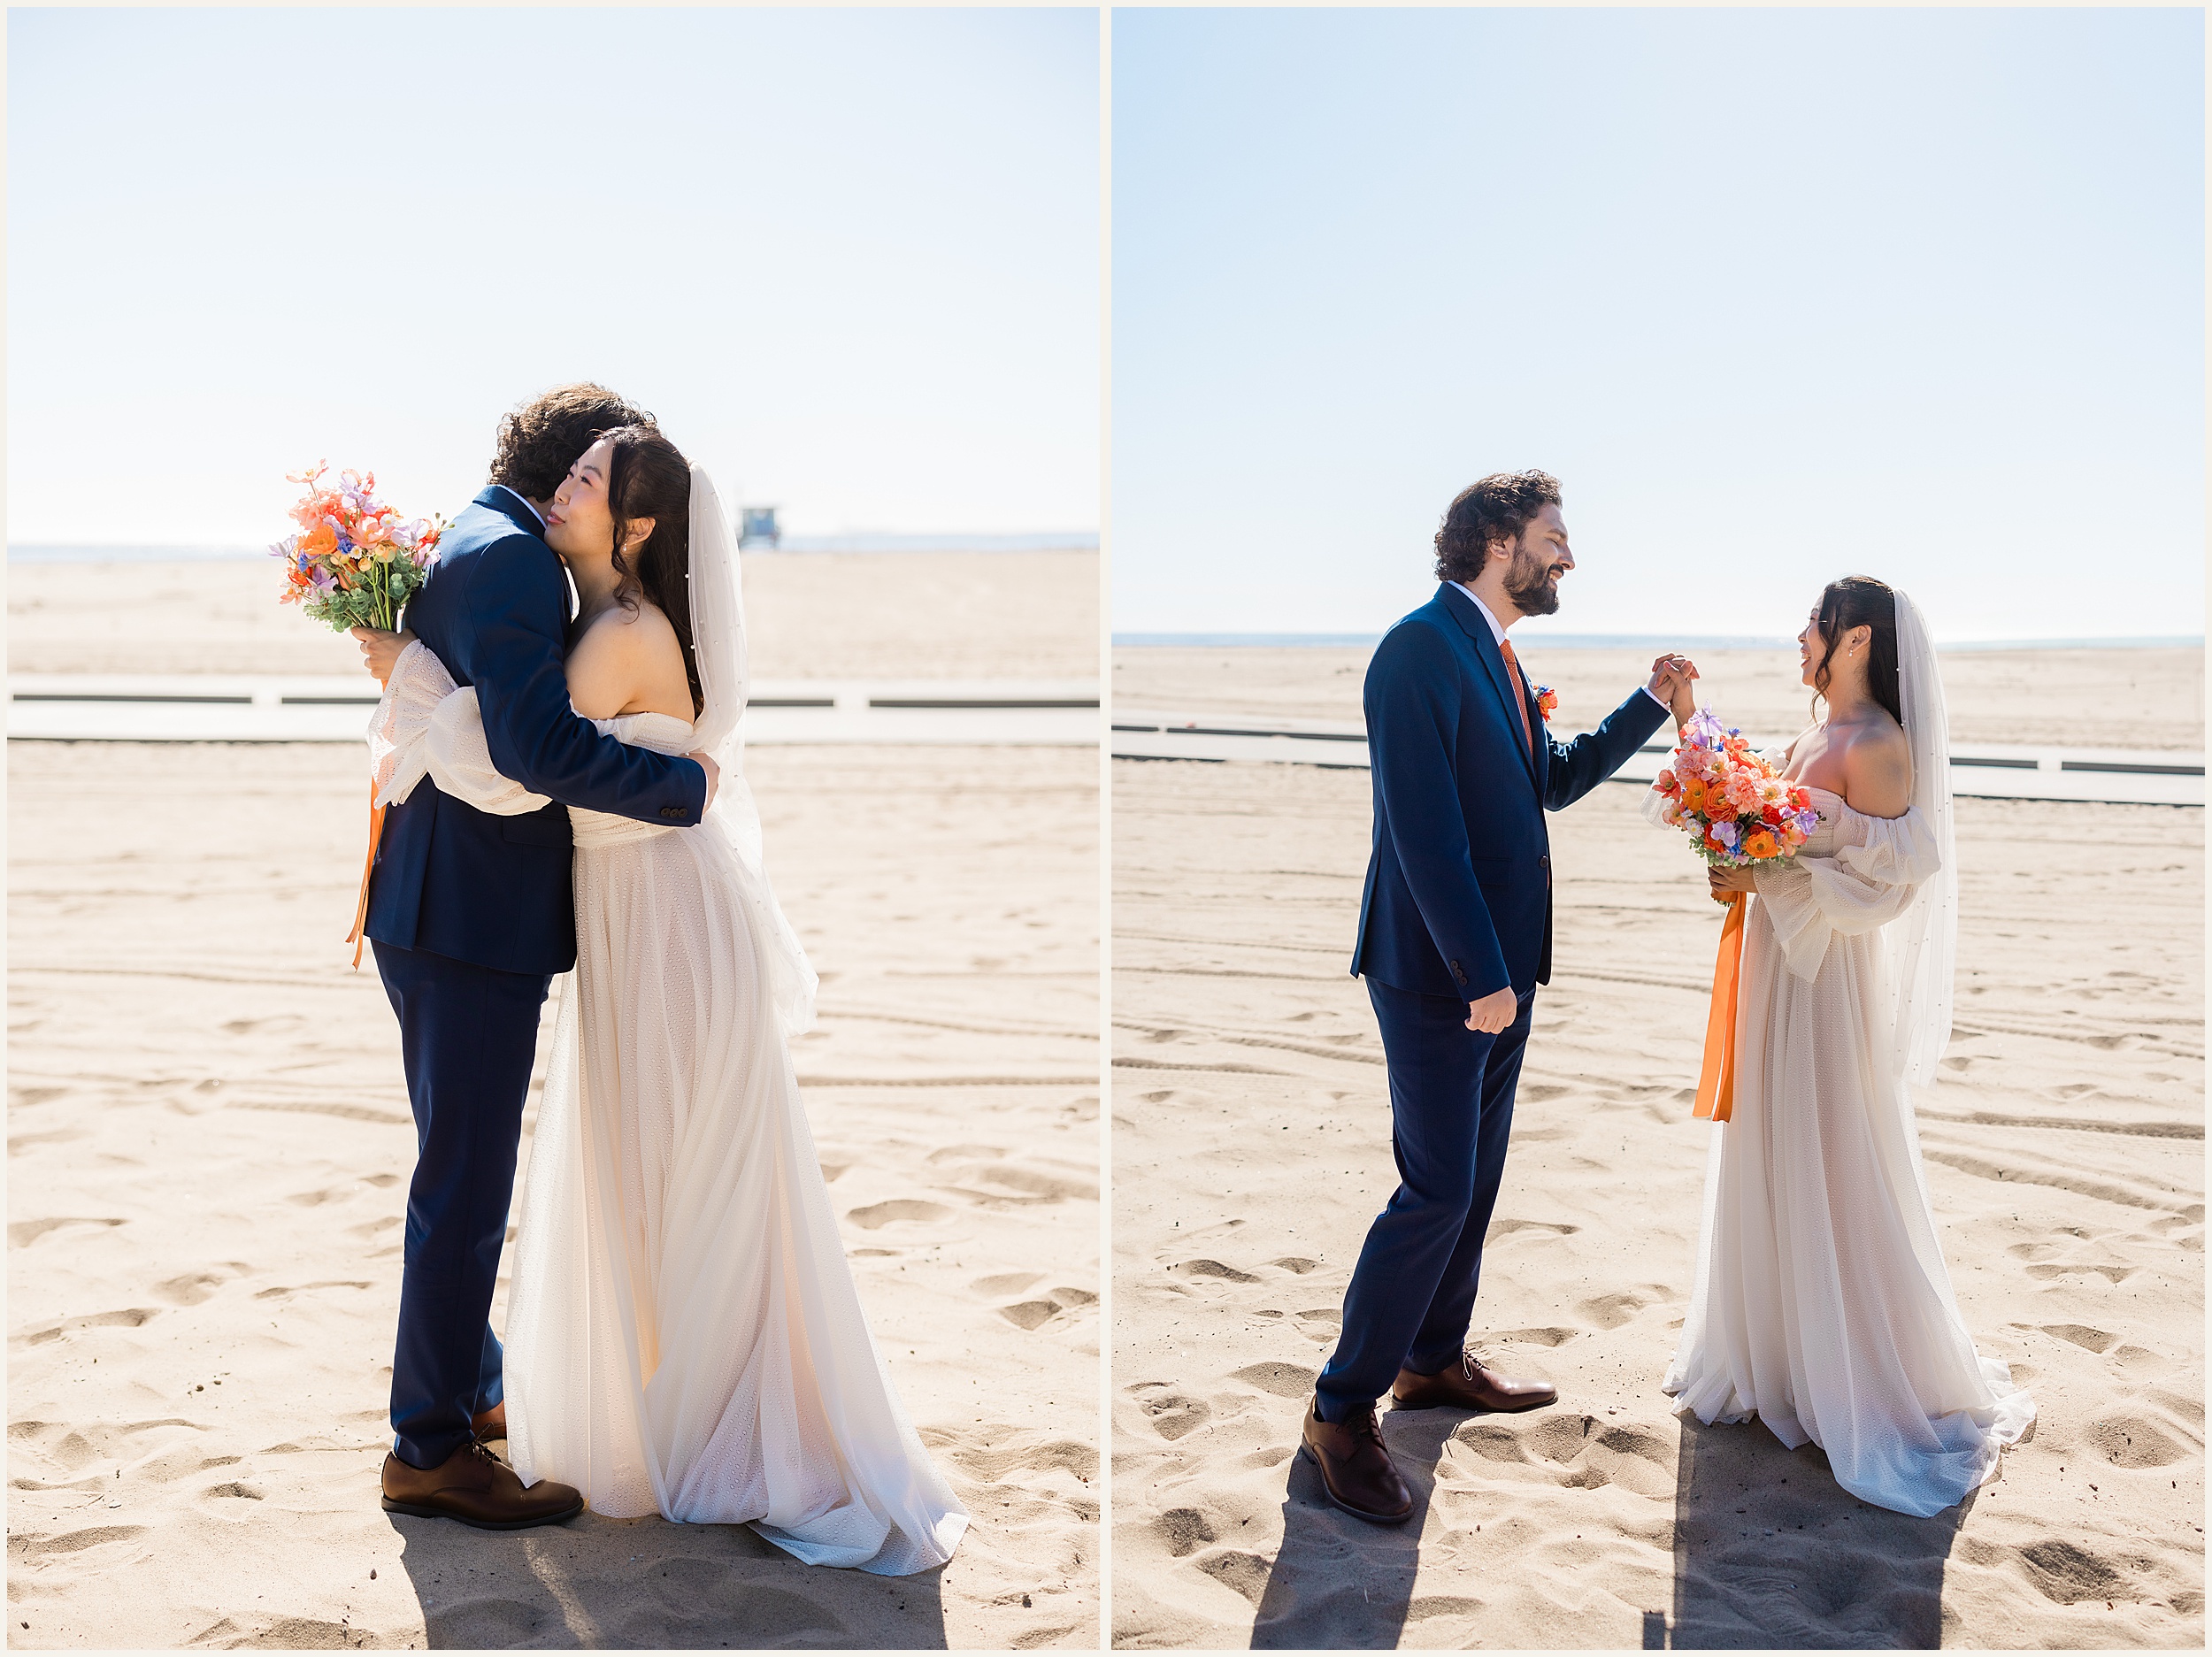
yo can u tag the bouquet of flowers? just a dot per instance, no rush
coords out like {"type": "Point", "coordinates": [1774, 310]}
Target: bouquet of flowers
{"type": "Point", "coordinates": [355, 562]}
{"type": "Point", "coordinates": [1736, 808]}
{"type": "Point", "coordinates": [1738, 812]}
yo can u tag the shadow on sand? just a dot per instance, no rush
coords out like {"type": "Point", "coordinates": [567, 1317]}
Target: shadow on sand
{"type": "Point", "coordinates": [1768, 1551]}
{"type": "Point", "coordinates": [646, 1583]}
{"type": "Point", "coordinates": [1339, 1583]}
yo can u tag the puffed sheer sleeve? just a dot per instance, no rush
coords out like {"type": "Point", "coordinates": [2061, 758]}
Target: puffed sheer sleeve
{"type": "Point", "coordinates": [1870, 882]}
{"type": "Point", "coordinates": [427, 725]}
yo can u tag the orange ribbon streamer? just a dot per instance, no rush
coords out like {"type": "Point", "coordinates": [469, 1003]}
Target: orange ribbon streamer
{"type": "Point", "coordinates": [1716, 1083]}
{"type": "Point", "coordinates": [361, 909]}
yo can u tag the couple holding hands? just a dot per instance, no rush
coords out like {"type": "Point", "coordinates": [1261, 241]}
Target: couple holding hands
{"type": "Point", "coordinates": [1823, 1304]}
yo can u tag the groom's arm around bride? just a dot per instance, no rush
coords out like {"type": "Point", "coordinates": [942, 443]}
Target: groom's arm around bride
{"type": "Point", "coordinates": [471, 913]}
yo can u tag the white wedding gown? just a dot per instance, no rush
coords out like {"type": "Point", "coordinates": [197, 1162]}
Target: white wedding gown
{"type": "Point", "coordinates": [683, 1332]}
{"type": "Point", "coordinates": [1823, 1304]}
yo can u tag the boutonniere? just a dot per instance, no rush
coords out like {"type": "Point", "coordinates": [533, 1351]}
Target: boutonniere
{"type": "Point", "coordinates": [1547, 702]}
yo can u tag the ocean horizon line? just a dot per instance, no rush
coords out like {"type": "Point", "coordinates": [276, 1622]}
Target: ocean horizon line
{"type": "Point", "coordinates": [1038, 540]}
{"type": "Point", "coordinates": [1631, 640]}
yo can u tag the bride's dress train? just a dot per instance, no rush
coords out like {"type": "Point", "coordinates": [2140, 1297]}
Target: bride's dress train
{"type": "Point", "coordinates": [1823, 1305]}
{"type": "Point", "coordinates": [683, 1333]}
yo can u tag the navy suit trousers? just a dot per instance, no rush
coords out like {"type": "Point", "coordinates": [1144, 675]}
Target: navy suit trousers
{"type": "Point", "coordinates": [1451, 1112]}
{"type": "Point", "coordinates": [467, 1035]}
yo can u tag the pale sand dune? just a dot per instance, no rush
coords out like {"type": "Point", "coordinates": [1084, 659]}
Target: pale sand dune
{"type": "Point", "coordinates": [209, 1146]}
{"type": "Point", "coordinates": [941, 615]}
{"type": "Point", "coordinates": [1251, 1146]}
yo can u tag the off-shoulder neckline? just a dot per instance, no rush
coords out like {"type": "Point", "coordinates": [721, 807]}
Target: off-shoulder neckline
{"type": "Point", "coordinates": [1815, 789]}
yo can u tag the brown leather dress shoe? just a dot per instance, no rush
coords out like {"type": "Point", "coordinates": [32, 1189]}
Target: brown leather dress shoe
{"type": "Point", "coordinates": [476, 1488]}
{"type": "Point", "coordinates": [491, 1426]}
{"type": "Point", "coordinates": [1469, 1385]}
{"type": "Point", "coordinates": [1356, 1472]}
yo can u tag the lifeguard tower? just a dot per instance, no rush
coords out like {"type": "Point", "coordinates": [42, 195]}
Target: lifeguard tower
{"type": "Point", "coordinates": [757, 527]}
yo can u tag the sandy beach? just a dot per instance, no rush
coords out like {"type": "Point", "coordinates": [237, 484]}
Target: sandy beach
{"type": "Point", "coordinates": [809, 615]}
{"type": "Point", "coordinates": [210, 1143]}
{"type": "Point", "coordinates": [2065, 1150]}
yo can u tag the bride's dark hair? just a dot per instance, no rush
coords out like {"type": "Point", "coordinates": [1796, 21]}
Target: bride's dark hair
{"type": "Point", "coordinates": [1860, 600]}
{"type": "Point", "coordinates": [649, 477]}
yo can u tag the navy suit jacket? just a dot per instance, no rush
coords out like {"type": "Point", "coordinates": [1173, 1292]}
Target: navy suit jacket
{"type": "Point", "coordinates": [1458, 898]}
{"type": "Point", "coordinates": [495, 890]}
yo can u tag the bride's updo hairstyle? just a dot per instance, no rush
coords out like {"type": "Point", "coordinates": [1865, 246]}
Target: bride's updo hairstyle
{"type": "Point", "coordinates": [649, 477]}
{"type": "Point", "coordinates": [1860, 600]}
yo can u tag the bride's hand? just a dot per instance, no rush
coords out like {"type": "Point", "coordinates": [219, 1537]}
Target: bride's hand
{"type": "Point", "coordinates": [380, 650]}
{"type": "Point", "coordinates": [1673, 682]}
{"type": "Point", "coordinates": [1725, 881]}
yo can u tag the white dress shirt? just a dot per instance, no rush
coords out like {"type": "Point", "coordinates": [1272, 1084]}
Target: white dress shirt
{"type": "Point", "coordinates": [541, 517]}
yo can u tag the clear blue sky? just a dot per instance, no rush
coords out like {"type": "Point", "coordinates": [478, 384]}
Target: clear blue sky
{"type": "Point", "coordinates": [1778, 295]}
{"type": "Point", "coordinates": [850, 259]}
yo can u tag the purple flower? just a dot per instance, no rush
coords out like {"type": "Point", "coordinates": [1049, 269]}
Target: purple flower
{"type": "Point", "coordinates": [1702, 729]}
{"type": "Point", "coordinates": [1727, 833]}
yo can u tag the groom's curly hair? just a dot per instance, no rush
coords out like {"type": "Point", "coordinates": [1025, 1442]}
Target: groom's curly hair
{"type": "Point", "coordinates": [540, 442]}
{"type": "Point", "coordinates": [1495, 508]}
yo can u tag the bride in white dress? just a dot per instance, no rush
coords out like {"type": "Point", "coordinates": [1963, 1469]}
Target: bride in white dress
{"type": "Point", "coordinates": [683, 1333]}
{"type": "Point", "coordinates": [1823, 1305]}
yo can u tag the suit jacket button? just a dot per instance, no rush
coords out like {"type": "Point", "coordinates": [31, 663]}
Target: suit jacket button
{"type": "Point", "coordinates": [1544, 863]}
{"type": "Point", "coordinates": [1459, 972]}
{"type": "Point", "coordinates": [672, 811]}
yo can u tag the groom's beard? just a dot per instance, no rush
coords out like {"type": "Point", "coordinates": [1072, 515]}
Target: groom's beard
{"type": "Point", "coordinates": [1531, 586]}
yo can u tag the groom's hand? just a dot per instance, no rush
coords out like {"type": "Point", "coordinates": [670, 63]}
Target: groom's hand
{"type": "Point", "coordinates": [1674, 678]}
{"type": "Point", "coordinates": [714, 777]}
{"type": "Point", "coordinates": [1493, 1012]}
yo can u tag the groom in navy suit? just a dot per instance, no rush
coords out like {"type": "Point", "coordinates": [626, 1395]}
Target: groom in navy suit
{"type": "Point", "coordinates": [1455, 935]}
{"type": "Point", "coordinates": [471, 916]}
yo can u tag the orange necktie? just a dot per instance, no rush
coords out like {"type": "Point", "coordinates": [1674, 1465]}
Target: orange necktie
{"type": "Point", "coordinates": [1520, 693]}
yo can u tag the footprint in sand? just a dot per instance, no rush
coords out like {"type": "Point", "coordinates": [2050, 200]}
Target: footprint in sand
{"type": "Point", "coordinates": [2067, 1575]}
{"type": "Point", "coordinates": [1610, 1311]}
{"type": "Point", "coordinates": [1576, 1452]}
{"type": "Point", "coordinates": [285, 1291]}
{"type": "Point", "coordinates": [2079, 1334]}
{"type": "Point", "coordinates": [192, 1287]}
{"type": "Point", "coordinates": [1282, 1380]}
{"type": "Point", "coordinates": [1551, 1336]}
{"type": "Point", "coordinates": [2136, 1441]}
{"type": "Point", "coordinates": [1183, 1530]}
{"type": "Point", "coordinates": [1210, 1268]}
{"type": "Point", "coordinates": [2114, 1274]}
{"type": "Point", "coordinates": [37, 1547]}
{"type": "Point", "coordinates": [1035, 1314]}
{"type": "Point", "coordinates": [1173, 1414]}
{"type": "Point", "coordinates": [1005, 1185]}
{"type": "Point", "coordinates": [23, 1233]}
{"type": "Point", "coordinates": [1507, 1228]}
{"type": "Point", "coordinates": [129, 1318]}
{"type": "Point", "coordinates": [1005, 1283]}
{"type": "Point", "coordinates": [877, 1216]}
